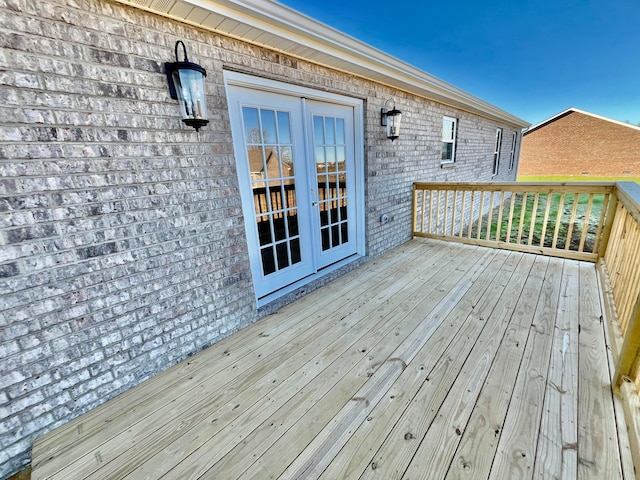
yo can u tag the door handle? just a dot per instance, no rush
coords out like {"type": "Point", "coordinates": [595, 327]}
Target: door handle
{"type": "Point", "coordinates": [314, 204]}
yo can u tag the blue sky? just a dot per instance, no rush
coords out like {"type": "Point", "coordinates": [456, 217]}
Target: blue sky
{"type": "Point", "coordinates": [532, 58]}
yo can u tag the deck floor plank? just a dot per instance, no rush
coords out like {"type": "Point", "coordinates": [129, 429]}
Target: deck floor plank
{"type": "Point", "coordinates": [80, 434]}
{"type": "Point", "coordinates": [325, 446]}
{"type": "Point", "coordinates": [335, 343]}
{"type": "Point", "coordinates": [475, 454]}
{"type": "Point", "coordinates": [518, 440]}
{"type": "Point", "coordinates": [598, 455]}
{"type": "Point", "coordinates": [165, 433]}
{"type": "Point", "coordinates": [557, 453]}
{"type": "Point", "coordinates": [438, 447]}
{"type": "Point", "coordinates": [457, 337]}
{"type": "Point", "coordinates": [436, 360]}
{"type": "Point", "coordinates": [329, 401]}
{"type": "Point", "coordinates": [261, 349]}
{"type": "Point", "coordinates": [393, 458]}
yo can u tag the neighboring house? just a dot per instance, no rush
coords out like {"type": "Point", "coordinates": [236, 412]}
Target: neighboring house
{"type": "Point", "coordinates": [578, 143]}
{"type": "Point", "coordinates": [128, 241]}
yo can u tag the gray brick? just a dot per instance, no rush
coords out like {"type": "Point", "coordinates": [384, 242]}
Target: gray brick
{"type": "Point", "coordinates": [9, 270]}
{"type": "Point", "coordinates": [96, 250]}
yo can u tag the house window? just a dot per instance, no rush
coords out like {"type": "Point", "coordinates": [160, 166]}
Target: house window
{"type": "Point", "coordinates": [449, 127]}
{"type": "Point", "coordinates": [512, 156]}
{"type": "Point", "coordinates": [496, 154]}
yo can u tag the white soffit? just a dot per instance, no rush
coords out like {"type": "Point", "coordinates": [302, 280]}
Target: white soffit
{"type": "Point", "coordinates": [272, 25]}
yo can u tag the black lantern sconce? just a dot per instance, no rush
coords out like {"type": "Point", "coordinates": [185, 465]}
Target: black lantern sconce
{"type": "Point", "coordinates": [391, 119]}
{"type": "Point", "coordinates": [186, 83]}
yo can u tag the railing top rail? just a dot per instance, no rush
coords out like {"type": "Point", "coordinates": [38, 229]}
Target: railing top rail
{"type": "Point", "coordinates": [629, 194]}
{"type": "Point", "coordinates": [573, 187]}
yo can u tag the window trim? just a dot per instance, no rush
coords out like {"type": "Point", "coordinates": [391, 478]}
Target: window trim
{"type": "Point", "coordinates": [453, 142]}
{"type": "Point", "coordinates": [496, 153]}
{"type": "Point", "coordinates": [512, 156]}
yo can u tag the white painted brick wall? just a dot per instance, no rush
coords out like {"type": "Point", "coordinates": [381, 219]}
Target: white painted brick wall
{"type": "Point", "coordinates": [122, 244]}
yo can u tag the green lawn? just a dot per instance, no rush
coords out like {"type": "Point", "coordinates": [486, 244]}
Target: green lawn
{"type": "Point", "coordinates": [562, 219]}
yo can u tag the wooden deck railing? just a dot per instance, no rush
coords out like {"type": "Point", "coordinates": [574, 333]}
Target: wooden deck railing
{"type": "Point", "coordinates": [566, 220]}
{"type": "Point", "coordinates": [621, 265]}
{"type": "Point", "coordinates": [619, 270]}
{"type": "Point", "coordinates": [595, 222]}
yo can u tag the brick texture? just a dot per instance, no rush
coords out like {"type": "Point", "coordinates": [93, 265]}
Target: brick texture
{"type": "Point", "coordinates": [581, 145]}
{"type": "Point", "coordinates": [122, 242]}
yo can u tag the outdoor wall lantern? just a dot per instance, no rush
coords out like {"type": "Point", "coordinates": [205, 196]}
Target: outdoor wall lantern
{"type": "Point", "coordinates": [391, 119]}
{"type": "Point", "coordinates": [186, 83]}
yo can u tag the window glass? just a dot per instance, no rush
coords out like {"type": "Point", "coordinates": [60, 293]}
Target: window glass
{"type": "Point", "coordinates": [284, 129]}
{"type": "Point", "coordinates": [251, 125]}
{"type": "Point", "coordinates": [449, 126]}
{"type": "Point", "coordinates": [268, 119]}
{"type": "Point", "coordinates": [270, 155]}
{"type": "Point", "coordinates": [496, 155]}
{"type": "Point", "coordinates": [512, 156]}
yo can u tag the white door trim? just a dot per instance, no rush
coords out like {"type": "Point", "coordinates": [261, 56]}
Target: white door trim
{"type": "Point", "coordinates": [257, 83]}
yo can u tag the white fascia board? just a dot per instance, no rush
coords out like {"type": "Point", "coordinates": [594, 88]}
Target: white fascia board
{"type": "Point", "coordinates": [334, 48]}
{"type": "Point", "coordinates": [611, 120]}
{"type": "Point", "coordinates": [577, 110]}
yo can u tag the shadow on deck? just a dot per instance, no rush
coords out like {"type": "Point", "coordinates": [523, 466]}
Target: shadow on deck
{"type": "Point", "coordinates": [437, 360]}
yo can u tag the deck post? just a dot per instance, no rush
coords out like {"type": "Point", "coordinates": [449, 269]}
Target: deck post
{"type": "Point", "coordinates": [606, 233]}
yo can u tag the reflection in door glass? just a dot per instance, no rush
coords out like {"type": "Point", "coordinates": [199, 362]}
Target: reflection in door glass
{"type": "Point", "coordinates": [270, 155]}
{"type": "Point", "coordinates": [329, 145]}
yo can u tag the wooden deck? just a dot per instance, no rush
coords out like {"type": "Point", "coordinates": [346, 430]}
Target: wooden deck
{"type": "Point", "coordinates": [437, 360]}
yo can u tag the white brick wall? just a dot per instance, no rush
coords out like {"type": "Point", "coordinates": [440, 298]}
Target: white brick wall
{"type": "Point", "coordinates": [122, 244]}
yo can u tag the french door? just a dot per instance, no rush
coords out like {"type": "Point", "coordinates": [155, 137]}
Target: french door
{"type": "Point", "coordinates": [296, 167]}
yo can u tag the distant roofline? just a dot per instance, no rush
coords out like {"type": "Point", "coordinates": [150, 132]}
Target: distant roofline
{"type": "Point", "coordinates": [576, 110]}
{"type": "Point", "coordinates": [269, 24]}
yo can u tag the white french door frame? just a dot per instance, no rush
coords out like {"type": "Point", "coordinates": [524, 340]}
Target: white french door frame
{"type": "Point", "coordinates": [235, 79]}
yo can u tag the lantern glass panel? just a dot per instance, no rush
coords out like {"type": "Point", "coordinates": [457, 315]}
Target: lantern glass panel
{"type": "Point", "coordinates": [393, 125]}
{"type": "Point", "coordinates": [191, 95]}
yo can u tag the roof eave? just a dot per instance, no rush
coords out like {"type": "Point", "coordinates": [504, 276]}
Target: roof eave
{"type": "Point", "coordinates": [272, 25]}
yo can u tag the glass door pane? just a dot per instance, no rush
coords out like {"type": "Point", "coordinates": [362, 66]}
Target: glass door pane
{"type": "Point", "coordinates": [331, 143]}
{"type": "Point", "coordinates": [270, 153]}
{"type": "Point", "coordinates": [331, 179]}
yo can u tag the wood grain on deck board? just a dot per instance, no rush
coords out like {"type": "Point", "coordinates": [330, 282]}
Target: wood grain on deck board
{"type": "Point", "coordinates": [436, 360]}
